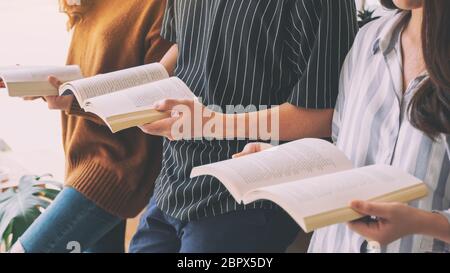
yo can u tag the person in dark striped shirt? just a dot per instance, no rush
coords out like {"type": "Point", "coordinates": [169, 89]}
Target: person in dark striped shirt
{"type": "Point", "coordinates": [274, 58]}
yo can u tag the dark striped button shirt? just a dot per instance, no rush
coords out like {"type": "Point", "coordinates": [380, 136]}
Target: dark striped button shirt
{"type": "Point", "coordinates": [260, 53]}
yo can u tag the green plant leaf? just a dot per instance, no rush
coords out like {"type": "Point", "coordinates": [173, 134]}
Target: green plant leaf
{"type": "Point", "coordinates": [19, 207]}
{"type": "Point", "coordinates": [365, 14]}
{"type": "Point", "coordinates": [21, 224]}
{"type": "Point", "coordinates": [6, 238]}
{"type": "Point", "coordinates": [39, 181]}
{"type": "Point", "coordinates": [50, 193]}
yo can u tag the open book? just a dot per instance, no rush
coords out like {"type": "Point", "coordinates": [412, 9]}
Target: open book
{"type": "Point", "coordinates": [312, 181]}
{"type": "Point", "coordinates": [33, 81]}
{"type": "Point", "coordinates": [124, 99]}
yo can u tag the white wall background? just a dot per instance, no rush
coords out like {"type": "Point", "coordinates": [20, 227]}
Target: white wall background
{"type": "Point", "coordinates": [32, 32]}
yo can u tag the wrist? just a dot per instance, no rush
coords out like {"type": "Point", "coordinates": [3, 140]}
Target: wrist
{"type": "Point", "coordinates": [167, 67]}
{"type": "Point", "coordinates": [434, 225]}
{"type": "Point", "coordinates": [68, 107]}
{"type": "Point", "coordinates": [71, 104]}
{"type": "Point", "coordinates": [229, 125]}
{"type": "Point", "coordinates": [213, 126]}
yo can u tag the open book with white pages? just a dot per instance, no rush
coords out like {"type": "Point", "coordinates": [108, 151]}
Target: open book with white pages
{"type": "Point", "coordinates": [122, 99]}
{"type": "Point", "coordinates": [313, 181]}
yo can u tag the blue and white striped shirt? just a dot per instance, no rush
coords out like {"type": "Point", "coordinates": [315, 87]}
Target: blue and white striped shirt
{"type": "Point", "coordinates": [371, 125]}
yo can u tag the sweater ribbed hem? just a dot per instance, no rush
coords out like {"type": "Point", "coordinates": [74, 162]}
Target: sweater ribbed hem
{"type": "Point", "coordinates": [107, 192]}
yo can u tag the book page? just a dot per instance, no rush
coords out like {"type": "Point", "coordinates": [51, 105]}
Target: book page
{"type": "Point", "coordinates": [138, 98]}
{"type": "Point", "coordinates": [26, 81]}
{"type": "Point", "coordinates": [319, 195]}
{"type": "Point", "coordinates": [288, 162]}
{"type": "Point", "coordinates": [39, 73]}
{"type": "Point", "coordinates": [112, 82]}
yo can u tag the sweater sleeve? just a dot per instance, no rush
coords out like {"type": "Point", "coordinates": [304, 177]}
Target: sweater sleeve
{"type": "Point", "coordinates": [155, 48]}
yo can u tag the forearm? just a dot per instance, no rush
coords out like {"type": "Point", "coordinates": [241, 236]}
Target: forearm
{"type": "Point", "coordinates": [169, 61]}
{"type": "Point", "coordinates": [434, 225]}
{"type": "Point", "coordinates": [284, 123]}
{"type": "Point", "coordinates": [297, 123]}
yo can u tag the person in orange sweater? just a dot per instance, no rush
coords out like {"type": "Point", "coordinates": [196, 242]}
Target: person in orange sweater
{"type": "Point", "coordinates": [108, 177]}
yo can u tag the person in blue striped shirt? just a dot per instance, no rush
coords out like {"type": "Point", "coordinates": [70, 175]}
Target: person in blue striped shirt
{"type": "Point", "coordinates": [394, 108]}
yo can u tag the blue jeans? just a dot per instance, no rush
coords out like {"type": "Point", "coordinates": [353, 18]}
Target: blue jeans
{"type": "Point", "coordinates": [249, 231]}
{"type": "Point", "coordinates": [72, 223]}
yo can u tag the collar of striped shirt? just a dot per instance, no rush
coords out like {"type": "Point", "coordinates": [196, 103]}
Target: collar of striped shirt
{"type": "Point", "coordinates": [385, 42]}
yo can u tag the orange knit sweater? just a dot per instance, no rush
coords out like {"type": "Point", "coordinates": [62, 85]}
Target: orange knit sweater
{"type": "Point", "coordinates": [116, 171]}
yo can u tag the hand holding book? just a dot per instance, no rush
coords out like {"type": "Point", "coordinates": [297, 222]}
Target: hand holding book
{"type": "Point", "coordinates": [122, 99]}
{"type": "Point", "coordinates": [394, 220]}
{"type": "Point", "coordinates": [184, 122]}
{"type": "Point", "coordinates": [58, 102]}
{"type": "Point", "coordinates": [312, 180]}
{"type": "Point", "coordinates": [62, 103]}
{"type": "Point", "coordinates": [397, 220]}
{"type": "Point", "coordinates": [253, 148]}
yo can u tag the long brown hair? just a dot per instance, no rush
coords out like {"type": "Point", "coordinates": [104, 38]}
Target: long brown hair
{"type": "Point", "coordinates": [75, 11]}
{"type": "Point", "coordinates": [429, 110]}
